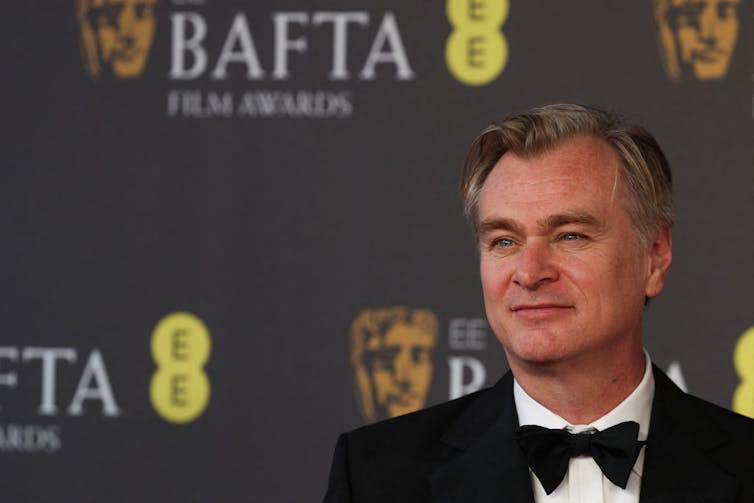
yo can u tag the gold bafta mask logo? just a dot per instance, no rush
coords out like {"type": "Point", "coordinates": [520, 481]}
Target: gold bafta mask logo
{"type": "Point", "coordinates": [116, 36]}
{"type": "Point", "coordinates": [390, 352]}
{"type": "Point", "coordinates": [697, 37]}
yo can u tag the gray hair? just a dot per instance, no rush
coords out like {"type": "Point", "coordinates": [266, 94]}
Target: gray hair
{"type": "Point", "coordinates": [645, 171]}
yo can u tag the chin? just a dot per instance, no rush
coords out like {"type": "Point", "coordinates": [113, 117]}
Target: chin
{"type": "Point", "coordinates": [538, 350]}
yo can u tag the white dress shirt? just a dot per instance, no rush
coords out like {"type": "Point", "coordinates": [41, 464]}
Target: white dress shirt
{"type": "Point", "coordinates": [584, 481]}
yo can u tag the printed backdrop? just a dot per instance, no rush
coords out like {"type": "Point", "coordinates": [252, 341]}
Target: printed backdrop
{"type": "Point", "coordinates": [231, 229]}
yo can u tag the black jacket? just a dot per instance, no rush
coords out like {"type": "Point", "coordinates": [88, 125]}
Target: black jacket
{"type": "Point", "coordinates": [464, 451]}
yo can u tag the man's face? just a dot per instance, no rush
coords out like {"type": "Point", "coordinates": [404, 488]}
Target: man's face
{"type": "Point", "coordinates": [402, 369]}
{"type": "Point", "coordinates": [563, 274]}
{"type": "Point", "coordinates": [706, 31]}
{"type": "Point", "coordinates": [124, 30]}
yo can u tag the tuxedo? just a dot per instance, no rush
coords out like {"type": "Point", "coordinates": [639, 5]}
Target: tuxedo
{"type": "Point", "coordinates": [465, 451]}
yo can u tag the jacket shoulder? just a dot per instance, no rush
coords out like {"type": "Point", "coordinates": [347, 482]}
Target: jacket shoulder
{"type": "Point", "coordinates": [692, 410]}
{"type": "Point", "coordinates": [414, 430]}
{"type": "Point", "coordinates": [391, 460]}
{"type": "Point", "coordinates": [725, 419]}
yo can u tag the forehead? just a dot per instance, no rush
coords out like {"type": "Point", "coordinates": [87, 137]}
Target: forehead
{"type": "Point", "coordinates": [581, 173]}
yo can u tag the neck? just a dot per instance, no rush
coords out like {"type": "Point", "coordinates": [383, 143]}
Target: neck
{"type": "Point", "coordinates": [577, 396]}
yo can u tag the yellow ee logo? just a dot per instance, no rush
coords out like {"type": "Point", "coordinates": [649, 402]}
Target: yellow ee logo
{"type": "Point", "coordinates": [180, 389]}
{"type": "Point", "coordinates": [476, 51]}
{"type": "Point", "coordinates": [743, 359]}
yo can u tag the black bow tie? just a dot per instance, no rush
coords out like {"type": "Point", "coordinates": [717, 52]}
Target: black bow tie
{"type": "Point", "coordinates": [548, 452]}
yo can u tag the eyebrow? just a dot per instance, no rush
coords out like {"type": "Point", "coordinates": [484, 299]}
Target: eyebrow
{"type": "Point", "coordinates": [550, 222]}
{"type": "Point", "coordinates": [582, 218]}
{"type": "Point", "coordinates": [500, 224]}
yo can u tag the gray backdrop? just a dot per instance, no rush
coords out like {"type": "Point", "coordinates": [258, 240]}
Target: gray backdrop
{"type": "Point", "coordinates": [278, 201]}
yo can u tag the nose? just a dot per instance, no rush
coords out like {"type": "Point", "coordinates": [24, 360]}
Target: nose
{"type": "Point", "coordinates": [708, 24]}
{"type": "Point", "coordinates": [127, 21]}
{"type": "Point", "coordinates": [402, 366]}
{"type": "Point", "coordinates": [535, 266]}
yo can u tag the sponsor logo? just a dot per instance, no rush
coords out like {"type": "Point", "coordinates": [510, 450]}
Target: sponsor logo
{"type": "Point", "coordinates": [697, 38]}
{"type": "Point", "coordinates": [743, 360]}
{"type": "Point", "coordinates": [280, 58]}
{"type": "Point", "coordinates": [116, 36]}
{"type": "Point", "coordinates": [72, 382]}
{"type": "Point", "coordinates": [180, 389]}
{"type": "Point", "coordinates": [391, 356]}
{"type": "Point", "coordinates": [397, 362]}
{"type": "Point", "coordinates": [30, 438]}
{"type": "Point", "coordinates": [266, 52]}
{"type": "Point", "coordinates": [291, 30]}
{"type": "Point", "coordinates": [18, 367]}
{"type": "Point", "coordinates": [476, 51]}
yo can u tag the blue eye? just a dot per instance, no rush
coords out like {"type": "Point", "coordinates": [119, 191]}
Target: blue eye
{"type": "Point", "coordinates": [572, 236]}
{"type": "Point", "coordinates": [503, 242]}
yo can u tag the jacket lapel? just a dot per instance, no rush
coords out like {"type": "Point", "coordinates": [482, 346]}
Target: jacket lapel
{"type": "Point", "coordinates": [490, 465]}
{"type": "Point", "coordinates": [677, 467]}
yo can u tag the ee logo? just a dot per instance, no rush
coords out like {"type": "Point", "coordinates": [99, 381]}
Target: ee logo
{"type": "Point", "coordinates": [476, 51]}
{"type": "Point", "coordinates": [180, 389]}
{"type": "Point", "coordinates": [743, 360]}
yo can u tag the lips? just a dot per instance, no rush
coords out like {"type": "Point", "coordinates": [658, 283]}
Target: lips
{"type": "Point", "coordinates": [522, 307]}
{"type": "Point", "coordinates": [539, 310]}
{"type": "Point", "coordinates": [707, 56]}
{"type": "Point", "coordinates": [127, 54]}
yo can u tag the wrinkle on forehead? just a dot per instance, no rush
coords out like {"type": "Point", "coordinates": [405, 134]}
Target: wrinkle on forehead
{"type": "Point", "coordinates": [614, 190]}
{"type": "Point", "coordinates": [583, 163]}
{"type": "Point", "coordinates": [531, 190]}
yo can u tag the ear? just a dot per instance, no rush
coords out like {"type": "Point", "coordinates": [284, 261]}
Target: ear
{"type": "Point", "coordinates": [660, 257]}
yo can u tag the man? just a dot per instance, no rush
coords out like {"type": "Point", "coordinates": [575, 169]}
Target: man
{"type": "Point", "coordinates": [390, 352]}
{"type": "Point", "coordinates": [572, 213]}
{"type": "Point", "coordinates": [116, 36]}
{"type": "Point", "coordinates": [697, 37]}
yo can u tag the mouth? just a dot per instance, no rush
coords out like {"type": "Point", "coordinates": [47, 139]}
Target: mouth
{"type": "Point", "coordinates": [707, 56]}
{"type": "Point", "coordinates": [539, 310]}
{"type": "Point", "coordinates": [127, 53]}
{"type": "Point", "coordinates": [403, 400]}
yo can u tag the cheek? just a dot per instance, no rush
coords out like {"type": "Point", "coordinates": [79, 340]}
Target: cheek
{"type": "Point", "coordinates": [621, 285]}
{"type": "Point", "coordinates": [382, 382]}
{"type": "Point", "coordinates": [107, 39]}
{"type": "Point", "coordinates": [422, 375]}
{"type": "Point", "coordinates": [593, 282]}
{"type": "Point", "coordinates": [580, 271]}
{"type": "Point", "coordinates": [728, 36]}
{"type": "Point", "coordinates": [687, 38]}
{"type": "Point", "coordinates": [495, 278]}
{"type": "Point", "coordinates": [144, 30]}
